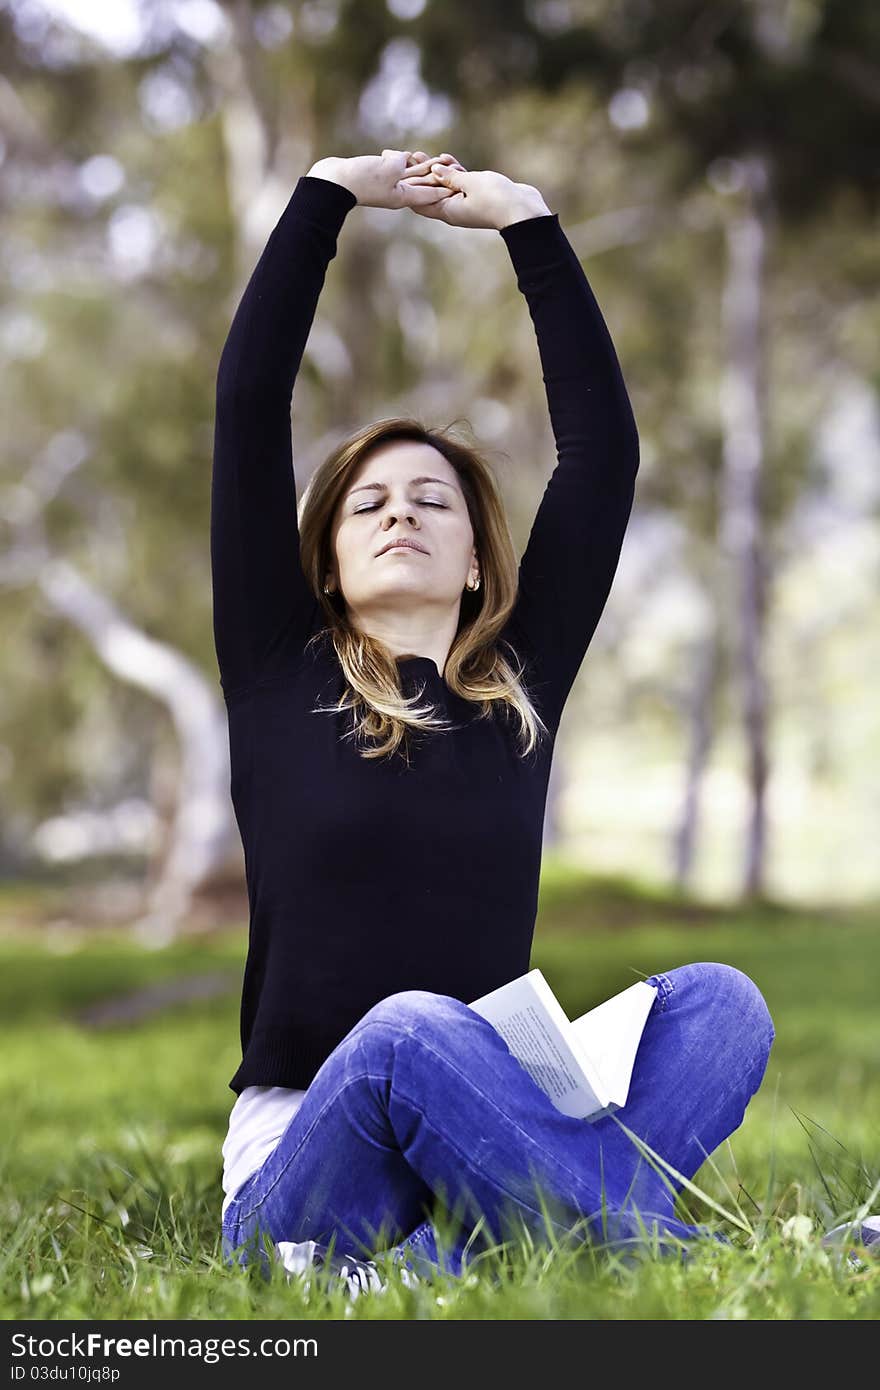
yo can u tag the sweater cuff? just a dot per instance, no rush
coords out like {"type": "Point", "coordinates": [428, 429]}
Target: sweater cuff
{"type": "Point", "coordinates": [323, 201]}
{"type": "Point", "coordinates": [535, 241]}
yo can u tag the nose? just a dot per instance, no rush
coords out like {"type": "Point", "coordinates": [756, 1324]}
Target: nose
{"type": "Point", "coordinates": [393, 514]}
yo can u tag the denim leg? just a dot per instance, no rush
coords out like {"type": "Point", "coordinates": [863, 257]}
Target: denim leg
{"type": "Point", "coordinates": [423, 1098]}
{"type": "Point", "coordinates": [702, 1057]}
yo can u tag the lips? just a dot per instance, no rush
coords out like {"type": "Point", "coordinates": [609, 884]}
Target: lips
{"type": "Point", "coordinates": [403, 545]}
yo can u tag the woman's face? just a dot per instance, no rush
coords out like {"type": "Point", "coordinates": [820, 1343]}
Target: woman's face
{"type": "Point", "coordinates": [406, 490]}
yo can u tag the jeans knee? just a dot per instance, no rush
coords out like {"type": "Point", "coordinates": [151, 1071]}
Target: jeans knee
{"type": "Point", "coordinates": [743, 997]}
{"type": "Point", "coordinates": [411, 1008]}
{"type": "Point", "coordinates": [729, 990]}
{"type": "Point", "coordinates": [411, 1013]}
{"type": "Point", "coordinates": [373, 1045]}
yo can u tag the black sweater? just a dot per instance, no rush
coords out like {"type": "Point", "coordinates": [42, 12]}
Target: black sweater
{"type": "Point", "coordinates": [366, 877]}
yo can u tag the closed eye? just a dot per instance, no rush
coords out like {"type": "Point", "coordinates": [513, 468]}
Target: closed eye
{"type": "Point", "coordinates": [371, 507]}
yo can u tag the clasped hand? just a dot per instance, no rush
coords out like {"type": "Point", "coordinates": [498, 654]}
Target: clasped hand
{"type": "Point", "coordinates": [434, 186]}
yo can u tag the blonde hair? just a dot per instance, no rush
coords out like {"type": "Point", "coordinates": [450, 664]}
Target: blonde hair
{"type": "Point", "coordinates": [476, 669]}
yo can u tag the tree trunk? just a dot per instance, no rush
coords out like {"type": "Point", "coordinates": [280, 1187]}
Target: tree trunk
{"type": "Point", "coordinates": [203, 834]}
{"type": "Point", "coordinates": [742, 541]}
{"type": "Point", "coordinates": [699, 720]}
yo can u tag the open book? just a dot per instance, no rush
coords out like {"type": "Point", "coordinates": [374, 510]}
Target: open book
{"type": "Point", "coordinates": [585, 1065]}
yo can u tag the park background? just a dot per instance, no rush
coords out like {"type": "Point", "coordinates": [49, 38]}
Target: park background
{"type": "Point", "coordinates": [714, 795]}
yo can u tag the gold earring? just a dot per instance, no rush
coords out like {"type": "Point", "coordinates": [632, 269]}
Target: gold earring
{"type": "Point", "coordinates": [472, 588]}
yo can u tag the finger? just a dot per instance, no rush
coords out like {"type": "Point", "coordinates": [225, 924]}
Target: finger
{"type": "Point", "coordinates": [447, 171]}
{"type": "Point", "coordinates": [421, 188]}
{"type": "Point", "coordinates": [398, 160]}
{"type": "Point", "coordinates": [424, 173]}
{"type": "Point", "coordinates": [425, 197]}
{"type": "Point", "coordinates": [420, 159]}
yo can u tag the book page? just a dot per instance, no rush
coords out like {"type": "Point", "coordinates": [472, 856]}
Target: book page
{"type": "Point", "coordinates": [610, 1034]}
{"type": "Point", "coordinates": [530, 1019]}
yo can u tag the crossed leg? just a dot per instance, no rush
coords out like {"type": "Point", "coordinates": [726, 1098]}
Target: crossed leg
{"type": "Point", "coordinates": [423, 1100]}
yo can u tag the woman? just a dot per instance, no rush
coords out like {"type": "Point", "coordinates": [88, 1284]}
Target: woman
{"type": "Point", "coordinates": [394, 685]}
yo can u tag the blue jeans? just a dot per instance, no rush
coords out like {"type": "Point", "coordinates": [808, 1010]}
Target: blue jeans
{"type": "Point", "coordinates": [422, 1102]}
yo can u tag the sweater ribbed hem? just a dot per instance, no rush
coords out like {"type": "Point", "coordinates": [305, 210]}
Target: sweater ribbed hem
{"type": "Point", "coordinates": [282, 1060]}
{"type": "Point", "coordinates": [536, 241]}
{"type": "Point", "coordinates": [323, 201]}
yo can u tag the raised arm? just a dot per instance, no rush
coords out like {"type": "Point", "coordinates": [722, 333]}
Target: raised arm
{"type": "Point", "coordinates": [262, 602]}
{"type": "Point", "coordinates": [263, 605]}
{"type": "Point", "coordinates": [574, 546]}
{"type": "Point", "coordinates": [566, 572]}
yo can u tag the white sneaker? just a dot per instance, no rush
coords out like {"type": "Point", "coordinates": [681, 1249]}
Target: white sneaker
{"type": "Point", "coordinates": [857, 1237]}
{"type": "Point", "coordinates": [356, 1276]}
{"type": "Point", "coordinates": [297, 1257]}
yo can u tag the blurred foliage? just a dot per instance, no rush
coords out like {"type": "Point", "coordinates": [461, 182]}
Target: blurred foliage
{"type": "Point", "coordinates": [117, 295]}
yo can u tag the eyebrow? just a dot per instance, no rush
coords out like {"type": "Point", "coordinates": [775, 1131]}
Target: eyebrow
{"type": "Point", "coordinates": [413, 482]}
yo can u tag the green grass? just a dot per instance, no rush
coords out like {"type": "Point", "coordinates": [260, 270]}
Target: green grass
{"type": "Point", "coordinates": [110, 1158]}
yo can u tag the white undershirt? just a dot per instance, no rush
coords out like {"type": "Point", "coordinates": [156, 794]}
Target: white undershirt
{"type": "Point", "coordinates": [257, 1121]}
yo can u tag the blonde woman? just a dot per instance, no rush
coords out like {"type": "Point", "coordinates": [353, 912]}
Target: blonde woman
{"type": "Point", "coordinates": [394, 681]}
